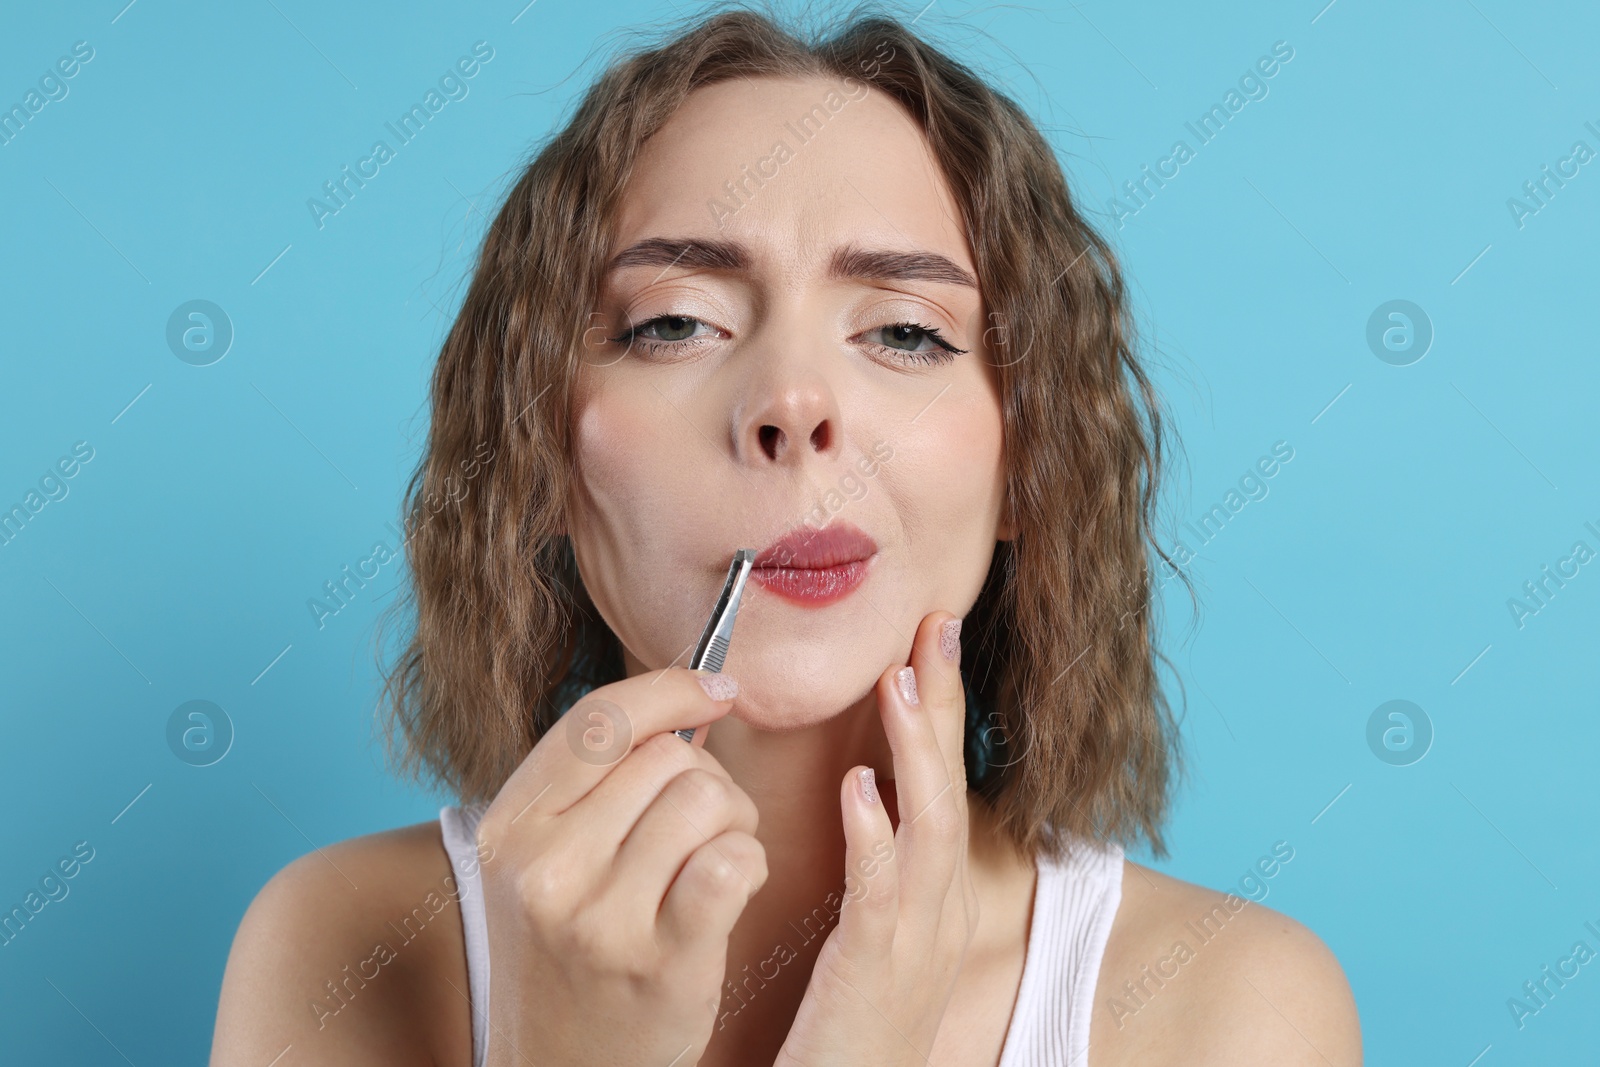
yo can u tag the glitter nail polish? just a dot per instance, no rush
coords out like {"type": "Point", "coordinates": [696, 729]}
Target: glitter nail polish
{"type": "Point", "coordinates": [950, 639]}
{"type": "Point", "coordinates": [719, 686]}
{"type": "Point", "coordinates": [906, 678]}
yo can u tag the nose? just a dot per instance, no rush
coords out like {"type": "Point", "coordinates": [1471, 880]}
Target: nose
{"type": "Point", "coordinates": [792, 411]}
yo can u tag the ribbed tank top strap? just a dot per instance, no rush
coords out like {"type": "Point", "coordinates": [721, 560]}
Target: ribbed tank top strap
{"type": "Point", "coordinates": [1075, 901]}
{"type": "Point", "coordinates": [459, 827]}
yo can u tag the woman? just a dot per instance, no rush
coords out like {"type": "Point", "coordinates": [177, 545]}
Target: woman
{"type": "Point", "coordinates": [831, 302]}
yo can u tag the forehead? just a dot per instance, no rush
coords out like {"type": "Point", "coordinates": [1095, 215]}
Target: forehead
{"type": "Point", "coordinates": [792, 168]}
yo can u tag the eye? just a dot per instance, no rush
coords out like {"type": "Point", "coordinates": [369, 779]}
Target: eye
{"type": "Point", "coordinates": [918, 342]}
{"type": "Point", "coordinates": [663, 331]}
{"type": "Point", "coordinates": [909, 341]}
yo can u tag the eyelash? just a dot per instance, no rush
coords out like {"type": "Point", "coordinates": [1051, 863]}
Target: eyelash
{"type": "Point", "coordinates": [944, 354]}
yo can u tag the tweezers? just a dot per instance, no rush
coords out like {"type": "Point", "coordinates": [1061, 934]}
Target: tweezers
{"type": "Point", "coordinates": [712, 650]}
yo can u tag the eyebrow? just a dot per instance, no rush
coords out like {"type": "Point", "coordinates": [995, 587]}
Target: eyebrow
{"type": "Point", "coordinates": [847, 262]}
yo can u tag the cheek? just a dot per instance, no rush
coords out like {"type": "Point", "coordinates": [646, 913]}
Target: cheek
{"type": "Point", "coordinates": [628, 517]}
{"type": "Point", "coordinates": [604, 458]}
{"type": "Point", "coordinates": [625, 469]}
{"type": "Point", "coordinates": [951, 471]}
{"type": "Point", "coordinates": [949, 483]}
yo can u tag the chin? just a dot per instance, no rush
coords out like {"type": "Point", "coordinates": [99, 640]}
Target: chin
{"type": "Point", "coordinates": [784, 696]}
{"type": "Point", "coordinates": [782, 713]}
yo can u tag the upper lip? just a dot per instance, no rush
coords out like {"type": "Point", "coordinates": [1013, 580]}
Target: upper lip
{"type": "Point", "coordinates": [810, 548]}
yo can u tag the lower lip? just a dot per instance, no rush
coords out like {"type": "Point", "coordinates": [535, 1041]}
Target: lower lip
{"type": "Point", "coordinates": [812, 586]}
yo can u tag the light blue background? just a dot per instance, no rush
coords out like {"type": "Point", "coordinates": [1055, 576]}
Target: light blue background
{"type": "Point", "coordinates": [1379, 567]}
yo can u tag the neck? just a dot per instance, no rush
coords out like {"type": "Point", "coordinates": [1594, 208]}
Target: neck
{"type": "Point", "coordinates": [795, 777]}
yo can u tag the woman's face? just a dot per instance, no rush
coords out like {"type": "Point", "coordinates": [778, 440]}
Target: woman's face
{"type": "Point", "coordinates": [801, 243]}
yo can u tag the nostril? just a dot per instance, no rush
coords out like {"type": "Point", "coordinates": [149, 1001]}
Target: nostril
{"type": "Point", "coordinates": [771, 440]}
{"type": "Point", "coordinates": [819, 437]}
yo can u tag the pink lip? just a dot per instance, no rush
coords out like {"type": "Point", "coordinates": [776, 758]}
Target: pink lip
{"type": "Point", "coordinates": [816, 567]}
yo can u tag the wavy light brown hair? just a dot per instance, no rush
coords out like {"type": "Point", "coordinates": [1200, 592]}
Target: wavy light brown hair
{"type": "Point", "coordinates": [1068, 728]}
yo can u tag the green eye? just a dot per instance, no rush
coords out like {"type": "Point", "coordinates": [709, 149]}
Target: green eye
{"type": "Point", "coordinates": [673, 327]}
{"type": "Point", "coordinates": [908, 337]}
{"type": "Point", "coordinates": [913, 341]}
{"type": "Point", "coordinates": [659, 331]}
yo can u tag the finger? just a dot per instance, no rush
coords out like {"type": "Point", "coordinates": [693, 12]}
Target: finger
{"type": "Point", "coordinates": [586, 838]}
{"type": "Point", "coordinates": [596, 733]}
{"type": "Point", "coordinates": [709, 894]}
{"type": "Point", "coordinates": [931, 836]}
{"type": "Point", "coordinates": [867, 918]}
{"type": "Point", "coordinates": [936, 659]}
{"type": "Point", "coordinates": [695, 808]}
{"type": "Point", "coordinates": [924, 785]}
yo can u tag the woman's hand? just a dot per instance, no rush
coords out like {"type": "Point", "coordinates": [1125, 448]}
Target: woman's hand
{"type": "Point", "coordinates": [884, 976]}
{"type": "Point", "coordinates": [621, 858]}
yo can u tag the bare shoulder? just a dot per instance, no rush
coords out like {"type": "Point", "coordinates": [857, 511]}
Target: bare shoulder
{"type": "Point", "coordinates": [1194, 976]}
{"type": "Point", "coordinates": [350, 955]}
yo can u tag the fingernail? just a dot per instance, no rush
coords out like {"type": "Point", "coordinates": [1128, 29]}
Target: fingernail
{"type": "Point", "coordinates": [719, 686]}
{"type": "Point", "coordinates": [907, 680]}
{"type": "Point", "coordinates": [950, 639]}
{"type": "Point", "coordinates": [869, 784]}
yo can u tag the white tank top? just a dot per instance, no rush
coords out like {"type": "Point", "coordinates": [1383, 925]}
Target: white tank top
{"type": "Point", "coordinates": [1074, 903]}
